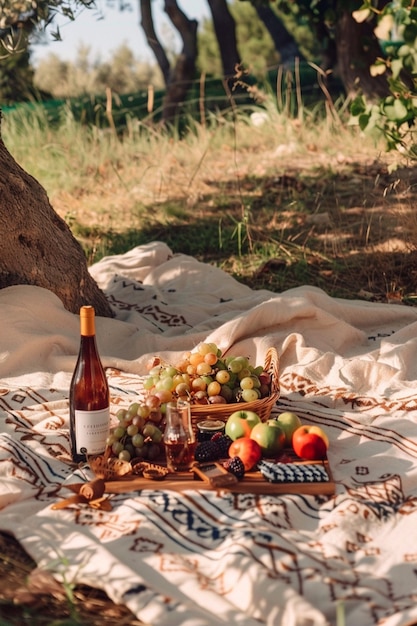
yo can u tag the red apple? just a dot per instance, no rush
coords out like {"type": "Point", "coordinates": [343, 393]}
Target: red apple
{"type": "Point", "coordinates": [248, 450]}
{"type": "Point", "coordinates": [289, 423]}
{"type": "Point", "coordinates": [240, 423]}
{"type": "Point", "coordinates": [310, 442]}
{"type": "Point", "coordinates": [270, 436]}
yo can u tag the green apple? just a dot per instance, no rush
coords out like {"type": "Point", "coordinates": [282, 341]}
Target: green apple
{"type": "Point", "coordinates": [240, 424]}
{"type": "Point", "coordinates": [289, 423]}
{"type": "Point", "coordinates": [270, 436]}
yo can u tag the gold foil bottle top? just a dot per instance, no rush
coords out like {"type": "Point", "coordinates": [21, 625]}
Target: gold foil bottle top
{"type": "Point", "coordinates": [87, 321]}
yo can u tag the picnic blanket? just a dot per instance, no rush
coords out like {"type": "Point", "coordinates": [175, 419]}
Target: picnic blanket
{"type": "Point", "coordinates": [201, 558]}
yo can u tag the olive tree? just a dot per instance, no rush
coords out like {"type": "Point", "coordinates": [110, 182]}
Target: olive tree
{"type": "Point", "coordinates": [36, 245]}
{"type": "Point", "coordinates": [177, 76]}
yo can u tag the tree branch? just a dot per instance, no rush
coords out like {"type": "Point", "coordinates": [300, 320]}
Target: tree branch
{"type": "Point", "coordinates": [184, 70]}
{"type": "Point", "coordinates": [225, 29]}
{"type": "Point", "coordinates": [152, 39]}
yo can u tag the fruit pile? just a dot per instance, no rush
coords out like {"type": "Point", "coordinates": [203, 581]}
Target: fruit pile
{"type": "Point", "coordinates": [203, 376]}
{"type": "Point", "coordinates": [247, 440]}
{"type": "Point", "coordinates": [139, 433]}
{"type": "Point", "coordinates": [217, 448]}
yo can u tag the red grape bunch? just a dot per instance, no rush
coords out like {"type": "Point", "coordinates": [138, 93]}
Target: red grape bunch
{"type": "Point", "coordinates": [139, 433]}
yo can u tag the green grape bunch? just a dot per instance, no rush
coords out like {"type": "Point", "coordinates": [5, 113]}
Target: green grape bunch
{"type": "Point", "coordinates": [203, 376]}
{"type": "Point", "coordinates": [139, 433]}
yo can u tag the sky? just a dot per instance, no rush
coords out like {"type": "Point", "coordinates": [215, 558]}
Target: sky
{"type": "Point", "coordinates": [104, 36]}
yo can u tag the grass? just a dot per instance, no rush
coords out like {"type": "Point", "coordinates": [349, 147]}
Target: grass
{"type": "Point", "coordinates": [288, 202]}
{"type": "Point", "coordinates": [292, 201]}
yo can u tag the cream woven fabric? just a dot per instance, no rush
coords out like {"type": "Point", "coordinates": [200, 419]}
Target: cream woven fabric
{"type": "Point", "coordinates": [200, 558]}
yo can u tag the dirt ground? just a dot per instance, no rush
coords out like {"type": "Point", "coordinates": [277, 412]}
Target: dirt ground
{"type": "Point", "coordinates": [345, 223]}
{"type": "Point", "coordinates": [30, 596]}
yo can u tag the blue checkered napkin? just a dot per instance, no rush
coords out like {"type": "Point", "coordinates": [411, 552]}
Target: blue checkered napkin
{"type": "Point", "coordinates": [293, 472]}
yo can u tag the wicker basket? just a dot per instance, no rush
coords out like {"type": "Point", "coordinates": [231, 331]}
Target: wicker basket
{"type": "Point", "coordinates": [262, 407]}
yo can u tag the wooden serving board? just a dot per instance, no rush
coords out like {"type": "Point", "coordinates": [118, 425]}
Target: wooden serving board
{"type": "Point", "coordinates": [253, 482]}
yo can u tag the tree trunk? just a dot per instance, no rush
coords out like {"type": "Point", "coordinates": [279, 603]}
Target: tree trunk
{"type": "Point", "coordinates": [36, 245]}
{"type": "Point", "coordinates": [184, 71]}
{"type": "Point", "coordinates": [152, 39]}
{"type": "Point", "coordinates": [225, 30]}
{"type": "Point", "coordinates": [357, 48]}
{"type": "Point", "coordinates": [284, 42]}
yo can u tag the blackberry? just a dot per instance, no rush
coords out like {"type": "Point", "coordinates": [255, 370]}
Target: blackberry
{"type": "Point", "coordinates": [223, 443]}
{"type": "Point", "coordinates": [235, 466]}
{"type": "Point", "coordinates": [206, 451]}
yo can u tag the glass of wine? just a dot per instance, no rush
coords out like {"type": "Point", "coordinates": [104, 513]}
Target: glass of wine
{"type": "Point", "coordinates": [179, 437]}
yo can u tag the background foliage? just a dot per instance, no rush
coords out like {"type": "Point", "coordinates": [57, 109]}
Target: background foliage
{"type": "Point", "coordinates": [314, 24]}
{"type": "Point", "coordinates": [393, 117]}
{"type": "Point", "coordinates": [124, 73]}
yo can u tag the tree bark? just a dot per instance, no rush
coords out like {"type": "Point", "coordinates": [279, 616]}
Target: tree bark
{"type": "Point", "coordinates": [284, 42]}
{"type": "Point", "coordinates": [357, 48]}
{"type": "Point", "coordinates": [183, 73]}
{"type": "Point", "coordinates": [225, 30]}
{"type": "Point", "coordinates": [36, 245]}
{"type": "Point", "coordinates": [152, 39]}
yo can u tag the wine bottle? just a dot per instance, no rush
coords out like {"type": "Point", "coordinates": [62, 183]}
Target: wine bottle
{"type": "Point", "coordinates": [89, 397]}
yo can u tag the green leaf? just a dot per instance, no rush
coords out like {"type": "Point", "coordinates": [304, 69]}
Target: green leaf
{"type": "Point", "coordinates": [358, 106]}
{"type": "Point", "coordinates": [404, 50]}
{"type": "Point", "coordinates": [378, 68]}
{"type": "Point", "coordinates": [384, 28]}
{"type": "Point", "coordinates": [361, 15]}
{"type": "Point", "coordinates": [410, 34]}
{"type": "Point", "coordinates": [409, 63]}
{"type": "Point", "coordinates": [363, 120]}
{"type": "Point", "coordinates": [397, 112]}
{"type": "Point", "coordinates": [396, 67]}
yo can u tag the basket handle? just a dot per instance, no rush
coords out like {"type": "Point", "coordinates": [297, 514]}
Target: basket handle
{"type": "Point", "coordinates": [272, 367]}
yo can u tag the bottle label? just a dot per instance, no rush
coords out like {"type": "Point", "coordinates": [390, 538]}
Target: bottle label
{"type": "Point", "coordinates": [91, 431]}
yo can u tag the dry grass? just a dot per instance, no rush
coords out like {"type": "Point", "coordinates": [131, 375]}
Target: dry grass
{"type": "Point", "coordinates": [286, 203]}
{"type": "Point", "coordinates": [276, 206]}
